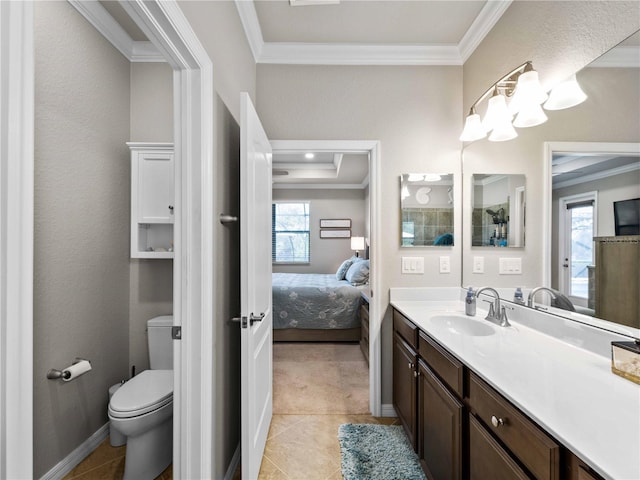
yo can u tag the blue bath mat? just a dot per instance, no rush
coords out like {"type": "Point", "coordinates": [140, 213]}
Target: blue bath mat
{"type": "Point", "coordinates": [377, 452]}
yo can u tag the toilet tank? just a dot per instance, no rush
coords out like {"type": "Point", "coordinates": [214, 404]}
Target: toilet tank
{"type": "Point", "coordinates": [160, 342]}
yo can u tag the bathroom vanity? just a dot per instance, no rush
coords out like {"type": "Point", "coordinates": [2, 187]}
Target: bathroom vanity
{"type": "Point", "coordinates": [533, 400]}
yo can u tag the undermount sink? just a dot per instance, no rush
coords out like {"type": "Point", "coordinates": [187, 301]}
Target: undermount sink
{"type": "Point", "coordinates": [463, 325]}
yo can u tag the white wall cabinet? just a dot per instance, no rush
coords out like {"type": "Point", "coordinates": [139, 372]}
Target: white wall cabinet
{"type": "Point", "coordinates": [152, 200]}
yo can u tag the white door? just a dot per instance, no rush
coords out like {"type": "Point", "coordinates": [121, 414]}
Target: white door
{"type": "Point", "coordinates": [255, 290]}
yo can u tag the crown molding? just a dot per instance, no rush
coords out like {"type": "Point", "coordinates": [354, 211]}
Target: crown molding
{"type": "Point", "coordinates": [598, 176]}
{"type": "Point", "coordinates": [102, 21]}
{"type": "Point", "coordinates": [618, 57]}
{"type": "Point", "coordinates": [481, 26]}
{"type": "Point", "coordinates": [349, 54]}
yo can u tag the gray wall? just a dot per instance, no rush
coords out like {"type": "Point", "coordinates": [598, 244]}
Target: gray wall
{"type": "Point", "coordinates": [81, 258]}
{"type": "Point", "coordinates": [218, 27]}
{"type": "Point", "coordinates": [151, 280]}
{"type": "Point", "coordinates": [326, 254]}
{"type": "Point", "coordinates": [413, 111]}
{"type": "Point", "coordinates": [560, 38]}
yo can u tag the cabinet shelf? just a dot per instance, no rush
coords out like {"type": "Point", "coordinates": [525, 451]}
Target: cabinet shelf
{"type": "Point", "coordinates": [152, 198]}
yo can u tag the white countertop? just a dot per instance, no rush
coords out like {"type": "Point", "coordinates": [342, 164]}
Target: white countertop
{"type": "Point", "coordinates": [568, 390]}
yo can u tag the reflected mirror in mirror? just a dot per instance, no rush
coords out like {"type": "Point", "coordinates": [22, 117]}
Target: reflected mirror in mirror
{"type": "Point", "coordinates": [426, 201]}
{"type": "Point", "coordinates": [498, 210]}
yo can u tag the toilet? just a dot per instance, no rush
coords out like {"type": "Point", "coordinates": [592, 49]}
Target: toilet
{"type": "Point", "coordinates": [142, 409]}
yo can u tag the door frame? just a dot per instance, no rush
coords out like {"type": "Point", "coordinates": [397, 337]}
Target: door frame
{"type": "Point", "coordinates": [166, 26]}
{"type": "Point", "coordinates": [549, 148]}
{"type": "Point", "coordinates": [372, 147]}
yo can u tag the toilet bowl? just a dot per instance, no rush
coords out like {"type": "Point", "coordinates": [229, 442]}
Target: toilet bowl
{"type": "Point", "coordinates": [142, 411]}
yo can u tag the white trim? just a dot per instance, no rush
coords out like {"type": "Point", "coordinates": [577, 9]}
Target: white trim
{"type": "Point", "coordinates": [387, 410]}
{"type": "Point", "coordinates": [363, 54]}
{"type": "Point", "coordinates": [102, 21]}
{"type": "Point", "coordinates": [481, 26]}
{"type": "Point", "coordinates": [598, 175]}
{"type": "Point", "coordinates": [194, 390]}
{"type": "Point", "coordinates": [376, 311]}
{"type": "Point", "coordinates": [233, 465]}
{"type": "Point", "coordinates": [549, 148]}
{"type": "Point", "coordinates": [319, 186]}
{"type": "Point", "coordinates": [72, 460]}
{"type": "Point", "coordinates": [347, 54]}
{"type": "Point", "coordinates": [251, 25]}
{"type": "Point", "coordinates": [16, 239]}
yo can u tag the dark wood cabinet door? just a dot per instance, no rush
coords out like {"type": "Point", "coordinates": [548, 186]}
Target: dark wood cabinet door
{"type": "Point", "coordinates": [487, 459]}
{"type": "Point", "coordinates": [404, 386]}
{"type": "Point", "coordinates": [439, 427]}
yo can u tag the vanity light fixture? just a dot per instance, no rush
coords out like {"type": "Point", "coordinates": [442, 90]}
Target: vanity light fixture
{"type": "Point", "coordinates": [522, 87]}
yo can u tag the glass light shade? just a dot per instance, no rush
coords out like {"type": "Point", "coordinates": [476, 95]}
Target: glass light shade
{"type": "Point", "coordinates": [565, 95]}
{"type": "Point", "coordinates": [404, 193]}
{"type": "Point", "coordinates": [502, 132]}
{"type": "Point", "coordinates": [497, 113]}
{"type": "Point", "coordinates": [357, 243]}
{"type": "Point", "coordinates": [415, 177]}
{"type": "Point", "coordinates": [530, 116]}
{"type": "Point", "coordinates": [473, 129]}
{"type": "Point", "coordinates": [528, 92]}
{"type": "Point", "coordinates": [432, 177]}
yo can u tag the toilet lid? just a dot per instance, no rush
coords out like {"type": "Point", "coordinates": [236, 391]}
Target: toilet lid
{"type": "Point", "coordinates": [144, 393]}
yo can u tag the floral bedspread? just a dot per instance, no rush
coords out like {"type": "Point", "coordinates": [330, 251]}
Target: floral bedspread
{"type": "Point", "coordinates": [313, 300]}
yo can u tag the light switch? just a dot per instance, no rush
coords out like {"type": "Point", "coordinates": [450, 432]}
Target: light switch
{"type": "Point", "coordinates": [445, 264]}
{"type": "Point", "coordinates": [478, 264]}
{"type": "Point", "coordinates": [510, 266]}
{"type": "Point", "coordinates": [413, 265]}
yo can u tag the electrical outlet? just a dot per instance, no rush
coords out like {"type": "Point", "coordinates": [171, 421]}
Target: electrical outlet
{"type": "Point", "coordinates": [445, 264]}
{"type": "Point", "coordinates": [510, 266]}
{"type": "Point", "coordinates": [478, 264]}
{"type": "Point", "coordinates": [413, 265]}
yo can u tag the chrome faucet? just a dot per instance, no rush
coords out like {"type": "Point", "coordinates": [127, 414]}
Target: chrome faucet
{"type": "Point", "coordinates": [532, 294]}
{"type": "Point", "coordinates": [497, 314]}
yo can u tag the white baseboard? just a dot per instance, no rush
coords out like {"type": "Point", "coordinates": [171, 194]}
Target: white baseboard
{"type": "Point", "coordinates": [235, 461]}
{"type": "Point", "coordinates": [72, 460]}
{"type": "Point", "coordinates": [387, 410]}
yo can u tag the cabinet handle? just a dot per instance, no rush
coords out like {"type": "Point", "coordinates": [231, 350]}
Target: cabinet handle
{"type": "Point", "coordinates": [415, 374]}
{"type": "Point", "coordinates": [496, 422]}
{"type": "Point", "coordinates": [410, 365]}
{"type": "Point", "coordinates": [171, 207]}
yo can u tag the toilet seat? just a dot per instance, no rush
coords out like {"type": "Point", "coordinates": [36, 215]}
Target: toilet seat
{"type": "Point", "coordinates": [144, 393]}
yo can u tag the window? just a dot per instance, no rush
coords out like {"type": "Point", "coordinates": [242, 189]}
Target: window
{"type": "Point", "coordinates": [290, 233]}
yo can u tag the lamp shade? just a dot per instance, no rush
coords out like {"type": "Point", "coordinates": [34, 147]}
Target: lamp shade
{"type": "Point", "coordinates": [473, 129]}
{"type": "Point", "coordinates": [530, 116]}
{"type": "Point", "coordinates": [497, 113]}
{"type": "Point", "coordinates": [357, 243]}
{"type": "Point", "coordinates": [565, 95]}
{"type": "Point", "coordinates": [502, 132]}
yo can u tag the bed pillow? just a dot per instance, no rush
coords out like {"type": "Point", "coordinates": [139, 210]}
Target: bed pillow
{"type": "Point", "coordinates": [358, 273]}
{"type": "Point", "coordinates": [343, 268]}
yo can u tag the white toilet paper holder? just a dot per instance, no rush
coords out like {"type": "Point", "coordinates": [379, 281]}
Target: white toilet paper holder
{"type": "Point", "coordinates": [64, 374]}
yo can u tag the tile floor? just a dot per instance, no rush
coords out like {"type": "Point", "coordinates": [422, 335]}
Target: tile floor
{"type": "Point", "coordinates": [299, 446]}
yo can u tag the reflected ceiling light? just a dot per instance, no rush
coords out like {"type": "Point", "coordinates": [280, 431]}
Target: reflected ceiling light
{"type": "Point", "coordinates": [565, 95]}
{"type": "Point", "coordinates": [432, 177]}
{"type": "Point", "coordinates": [522, 86]}
{"type": "Point", "coordinates": [309, 156]}
{"type": "Point", "coordinates": [404, 193]}
{"type": "Point", "coordinates": [415, 177]}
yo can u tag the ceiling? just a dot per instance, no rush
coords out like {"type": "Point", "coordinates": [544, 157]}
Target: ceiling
{"type": "Point", "coordinates": [326, 170]}
{"type": "Point", "coordinates": [568, 169]}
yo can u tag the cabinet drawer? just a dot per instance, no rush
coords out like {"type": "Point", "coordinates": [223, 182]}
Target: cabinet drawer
{"type": "Point", "coordinates": [405, 329]}
{"type": "Point", "coordinates": [447, 367]}
{"type": "Point", "coordinates": [487, 459]}
{"type": "Point", "coordinates": [534, 448]}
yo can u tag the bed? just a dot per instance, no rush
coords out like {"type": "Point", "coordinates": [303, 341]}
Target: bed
{"type": "Point", "coordinates": [315, 307]}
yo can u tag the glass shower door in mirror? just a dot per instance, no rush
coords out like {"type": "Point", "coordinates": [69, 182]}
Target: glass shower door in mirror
{"type": "Point", "coordinates": [498, 210]}
{"type": "Point", "coordinates": [426, 201]}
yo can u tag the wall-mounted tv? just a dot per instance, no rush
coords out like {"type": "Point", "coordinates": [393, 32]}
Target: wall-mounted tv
{"type": "Point", "coordinates": [627, 216]}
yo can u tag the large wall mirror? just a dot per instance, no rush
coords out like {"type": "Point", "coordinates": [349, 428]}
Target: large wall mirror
{"type": "Point", "coordinates": [426, 202]}
{"type": "Point", "coordinates": [498, 210]}
{"type": "Point", "coordinates": [585, 156]}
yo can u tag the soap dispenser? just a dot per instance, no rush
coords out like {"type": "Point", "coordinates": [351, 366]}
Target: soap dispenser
{"type": "Point", "coordinates": [470, 303]}
{"type": "Point", "coordinates": [518, 297]}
